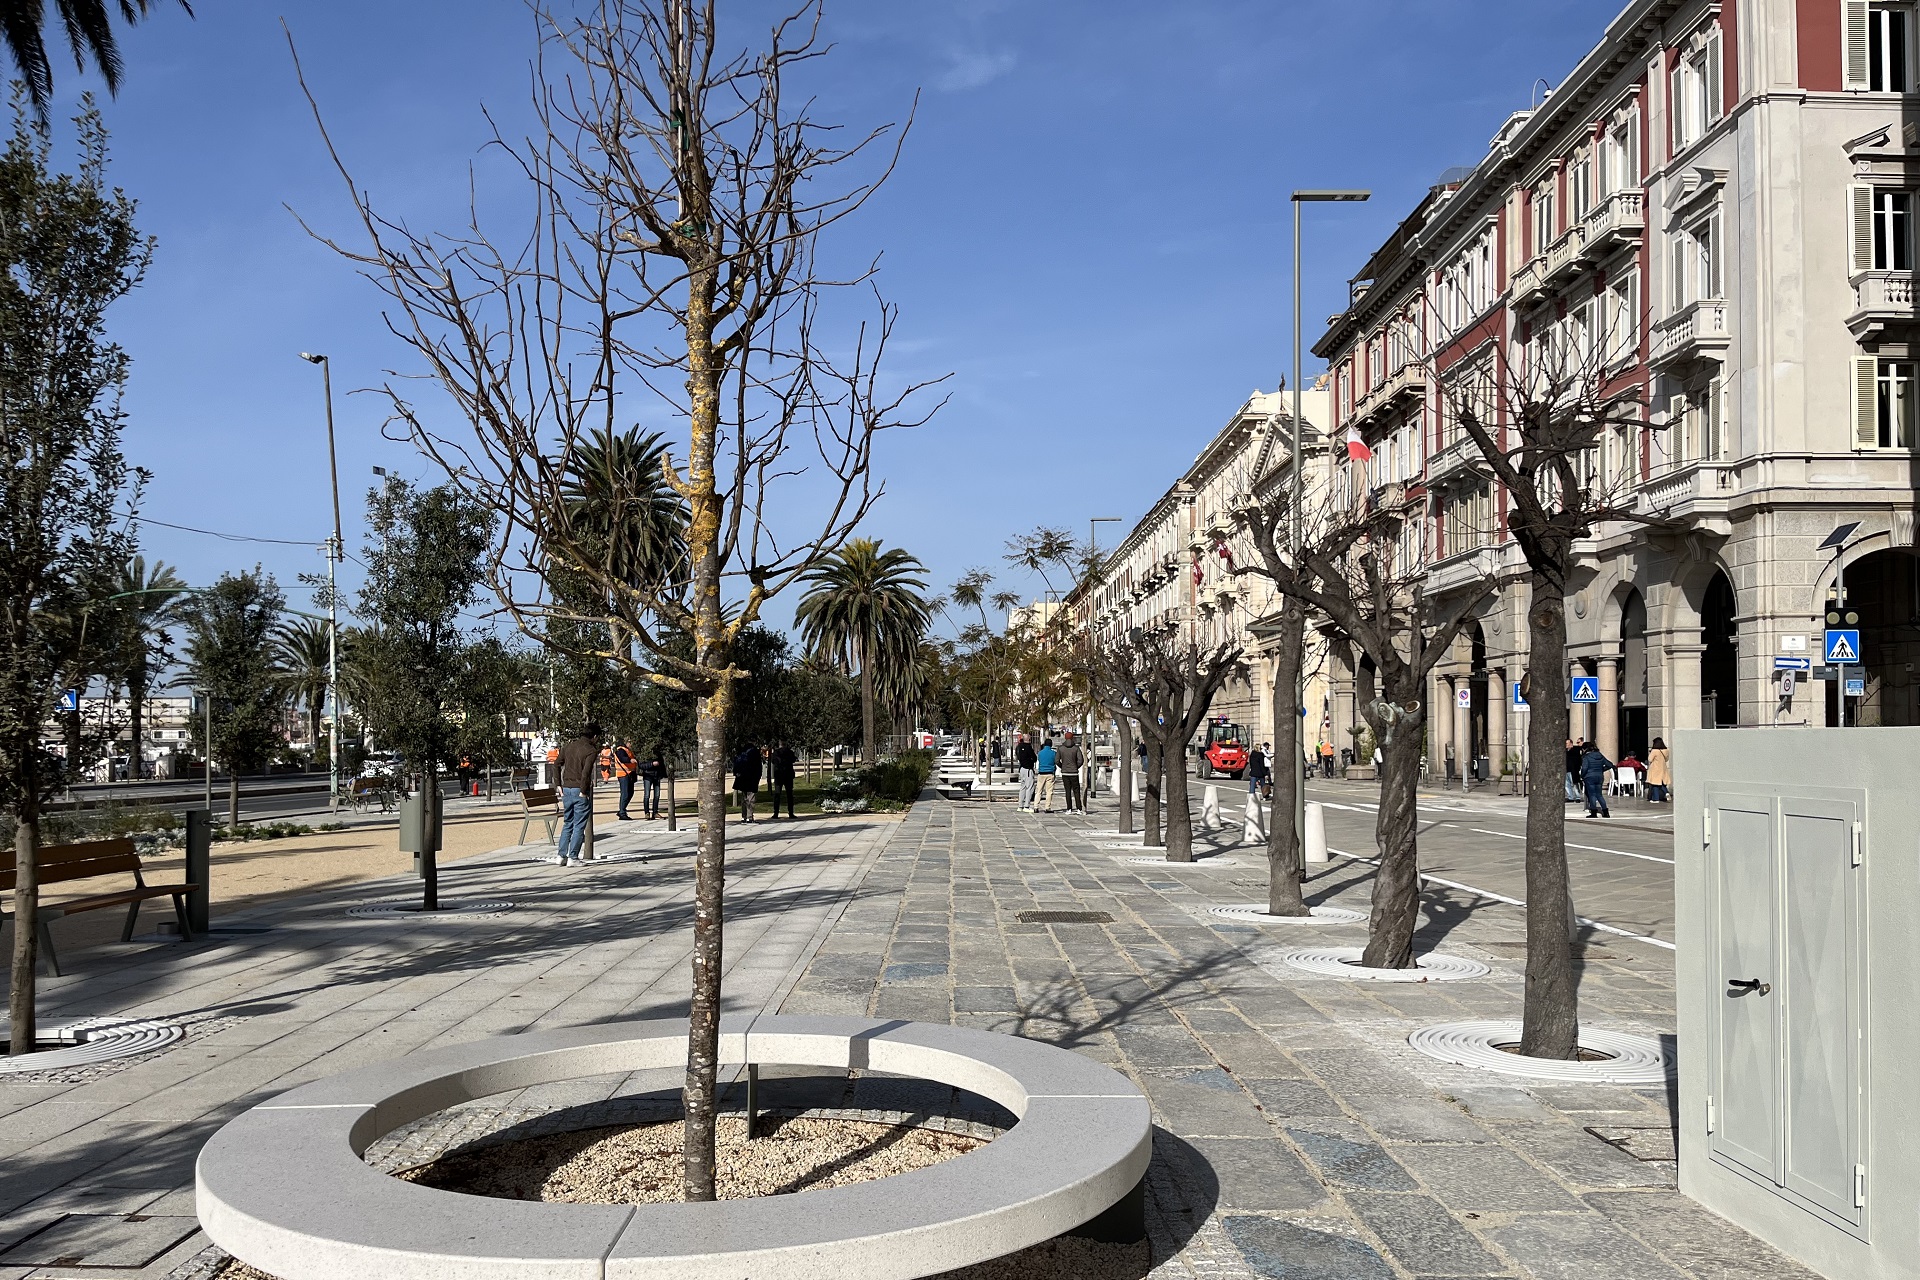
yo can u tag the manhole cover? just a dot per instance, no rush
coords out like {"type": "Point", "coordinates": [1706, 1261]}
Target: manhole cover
{"type": "Point", "coordinates": [80, 1044]}
{"type": "Point", "coordinates": [1065, 917]}
{"type": "Point", "coordinates": [1344, 962]}
{"type": "Point", "coordinates": [447, 910]}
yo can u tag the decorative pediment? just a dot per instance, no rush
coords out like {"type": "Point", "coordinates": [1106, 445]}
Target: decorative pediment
{"type": "Point", "coordinates": [1696, 192]}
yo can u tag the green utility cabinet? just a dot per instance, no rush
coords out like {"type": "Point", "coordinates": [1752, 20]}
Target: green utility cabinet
{"type": "Point", "coordinates": [1797, 894]}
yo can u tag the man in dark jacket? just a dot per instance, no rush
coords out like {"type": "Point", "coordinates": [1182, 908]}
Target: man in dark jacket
{"type": "Point", "coordinates": [1595, 769]}
{"type": "Point", "coordinates": [1025, 757]}
{"type": "Point", "coordinates": [579, 759]}
{"type": "Point", "coordinates": [653, 772]}
{"type": "Point", "coordinates": [781, 764]}
{"type": "Point", "coordinates": [1070, 760]}
{"type": "Point", "coordinates": [1574, 751]}
{"type": "Point", "coordinates": [746, 780]}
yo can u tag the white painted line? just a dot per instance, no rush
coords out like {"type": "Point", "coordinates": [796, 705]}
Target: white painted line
{"type": "Point", "coordinates": [1501, 897]}
{"type": "Point", "coordinates": [1590, 848]}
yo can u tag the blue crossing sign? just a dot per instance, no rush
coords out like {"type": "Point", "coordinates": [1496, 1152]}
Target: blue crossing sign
{"type": "Point", "coordinates": [70, 700]}
{"type": "Point", "coordinates": [1586, 688]}
{"type": "Point", "coordinates": [1843, 647]}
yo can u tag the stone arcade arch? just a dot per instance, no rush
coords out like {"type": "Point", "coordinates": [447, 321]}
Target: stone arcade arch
{"type": "Point", "coordinates": [1720, 657]}
{"type": "Point", "coordinates": [1883, 587]}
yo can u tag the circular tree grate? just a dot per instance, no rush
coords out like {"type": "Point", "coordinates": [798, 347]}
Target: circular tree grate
{"type": "Point", "coordinates": [1107, 833]}
{"type": "Point", "coordinates": [1124, 844]}
{"type": "Point", "coordinates": [1257, 913]}
{"type": "Point", "coordinates": [448, 910]}
{"type": "Point", "coordinates": [91, 1040]}
{"type": "Point", "coordinates": [1203, 864]}
{"type": "Point", "coordinates": [1343, 962]}
{"type": "Point", "coordinates": [1624, 1058]}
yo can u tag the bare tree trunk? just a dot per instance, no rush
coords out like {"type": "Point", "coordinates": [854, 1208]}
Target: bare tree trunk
{"type": "Point", "coordinates": [1396, 886]}
{"type": "Point", "coordinates": [1123, 770]}
{"type": "Point", "coordinates": [1550, 1021]}
{"type": "Point", "coordinates": [233, 797]}
{"type": "Point", "coordinates": [1179, 816]}
{"type": "Point", "coordinates": [26, 927]}
{"type": "Point", "coordinates": [869, 743]}
{"type": "Point", "coordinates": [1150, 808]}
{"type": "Point", "coordinates": [709, 881]}
{"type": "Point", "coordinates": [136, 757]}
{"type": "Point", "coordinates": [1285, 858]}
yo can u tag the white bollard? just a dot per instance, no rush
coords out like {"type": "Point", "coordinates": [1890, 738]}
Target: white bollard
{"type": "Point", "coordinates": [1256, 828]}
{"type": "Point", "coordinates": [1316, 833]}
{"type": "Point", "coordinates": [1210, 808]}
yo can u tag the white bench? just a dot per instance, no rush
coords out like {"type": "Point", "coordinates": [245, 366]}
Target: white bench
{"type": "Point", "coordinates": [283, 1186]}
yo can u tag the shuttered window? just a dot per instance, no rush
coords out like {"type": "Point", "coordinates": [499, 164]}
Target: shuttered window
{"type": "Point", "coordinates": [1860, 227]}
{"type": "Point", "coordinates": [1857, 46]}
{"type": "Point", "coordinates": [1890, 48]}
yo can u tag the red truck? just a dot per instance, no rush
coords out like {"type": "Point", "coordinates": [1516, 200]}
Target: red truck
{"type": "Point", "coordinates": [1225, 751]}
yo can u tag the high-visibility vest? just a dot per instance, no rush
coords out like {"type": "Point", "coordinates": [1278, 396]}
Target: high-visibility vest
{"type": "Point", "coordinates": [623, 762]}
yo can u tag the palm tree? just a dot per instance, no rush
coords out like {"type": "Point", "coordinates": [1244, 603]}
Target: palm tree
{"type": "Point", "coordinates": [619, 505]}
{"type": "Point", "coordinates": [89, 28]}
{"type": "Point", "coordinates": [146, 608]}
{"type": "Point", "coordinates": [862, 607]}
{"type": "Point", "coordinates": [303, 658]}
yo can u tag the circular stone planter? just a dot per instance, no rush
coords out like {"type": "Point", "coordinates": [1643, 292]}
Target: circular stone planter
{"type": "Point", "coordinates": [94, 1040]}
{"type": "Point", "coordinates": [1631, 1059]}
{"type": "Point", "coordinates": [449, 910]}
{"type": "Point", "coordinates": [1257, 913]}
{"type": "Point", "coordinates": [283, 1187]}
{"type": "Point", "coordinates": [1342, 962]}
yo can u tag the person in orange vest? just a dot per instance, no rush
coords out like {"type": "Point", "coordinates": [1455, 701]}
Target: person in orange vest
{"type": "Point", "coordinates": [553, 766]}
{"type": "Point", "coordinates": [606, 764]}
{"type": "Point", "coordinates": [624, 767]}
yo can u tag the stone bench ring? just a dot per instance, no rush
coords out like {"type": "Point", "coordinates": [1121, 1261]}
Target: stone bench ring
{"type": "Point", "coordinates": [284, 1188]}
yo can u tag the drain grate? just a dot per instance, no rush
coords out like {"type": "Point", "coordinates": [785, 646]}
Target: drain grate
{"type": "Point", "coordinates": [1065, 917]}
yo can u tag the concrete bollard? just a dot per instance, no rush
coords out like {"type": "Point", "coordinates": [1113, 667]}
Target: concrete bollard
{"type": "Point", "coordinates": [1210, 808]}
{"type": "Point", "coordinates": [1316, 850]}
{"type": "Point", "coordinates": [1256, 828]}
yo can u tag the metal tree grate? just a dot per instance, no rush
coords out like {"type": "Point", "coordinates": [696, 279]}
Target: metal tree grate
{"type": "Point", "coordinates": [1065, 917]}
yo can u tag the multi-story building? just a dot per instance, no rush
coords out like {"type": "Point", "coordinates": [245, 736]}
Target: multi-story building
{"type": "Point", "coordinates": [1174, 572]}
{"type": "Point", "coordinates": [1717, 210]}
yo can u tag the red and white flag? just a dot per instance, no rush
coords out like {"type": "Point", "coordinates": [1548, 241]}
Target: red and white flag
{"type": "Point", "coordinates": [1357, 451]}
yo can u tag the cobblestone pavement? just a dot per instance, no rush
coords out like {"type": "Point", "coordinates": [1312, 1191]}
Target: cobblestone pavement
{"type": "Point", "coordinates": [1299, 1135]}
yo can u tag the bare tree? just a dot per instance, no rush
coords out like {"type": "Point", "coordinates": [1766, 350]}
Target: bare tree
{"type": "Point", "coordinates": [677, 198]}
{"type": "Point", "coordinates": [1355, 569]}
{"type": "Point", "coordinates": [1560, 427]}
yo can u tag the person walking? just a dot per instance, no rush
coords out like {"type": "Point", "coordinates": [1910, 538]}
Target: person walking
{"type": "Point", "coordinates": [1595, 768]}
{"type": "Point", "coordinates": [1659, 773]}
{"type": "Point", "coordinates": [1070, 760]}
{"type": "Point", "coordinates": [1025, 757]}
{"type": "Point", "coordinates": [1573, 770]}
{"type": "Point", "coordinates": [625, 766]}
{"type": "Point", "coordinates": [1046, 762]}
{"type": "Point", "coordinates": [1326, 758]}
{"type": "Point", "coordinates": [746, 780]}
{"type": "Point", "coordinates": [1257, 769]}
{"type": "Point", "coordinates": [652, 774]}
{"type": "Point", "coordinates": [578, 759]}
{"type": "Point", "coordinates": [780, 767]}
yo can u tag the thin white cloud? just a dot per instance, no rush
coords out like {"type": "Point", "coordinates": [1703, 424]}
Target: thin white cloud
{"type": "Point", "coordinates": [970, 69]}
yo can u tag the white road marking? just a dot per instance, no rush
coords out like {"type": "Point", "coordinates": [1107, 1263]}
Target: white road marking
{"type": "Point", "coordinates": [1590, 848]}
{"type": "Point", "coordinates": [1501, 897]}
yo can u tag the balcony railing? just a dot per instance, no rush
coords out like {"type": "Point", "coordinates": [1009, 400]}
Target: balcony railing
{"type": "Point", "coordinates": [1408, 383]}
{"type": "Point", "coordinates": [1880, 299]}
{"type": "Point", "coordinates": [1619, 219]}
{"type": "Point", "coordinates": [1567, 255]}
{"type": "Point", "coordinates": [1698, 331]}
{"type": "Point", "coordinates": [1462, 569]}
{"type": "Point", "coordinates": [1691, 492]}
{"type": "Point", "coordinates": [1529, 283]}
{"type": "Point", "coordinates": [1462, 455]}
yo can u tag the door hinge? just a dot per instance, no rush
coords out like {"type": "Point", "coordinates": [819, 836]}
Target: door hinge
{"type": "Point", "coordinates": [1859, 846]}
{"type": "Point", "coordinates": [1706, 827]}
{"type": "Point", "coordinates": [1859, 1186]}
{"type": "Point", "coordinates": [1709, 1113]}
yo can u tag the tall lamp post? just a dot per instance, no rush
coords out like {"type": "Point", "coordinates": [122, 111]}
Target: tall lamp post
{"type": "Point", "coordinates": [335, 550]}
{"type": "Point", "coordinates": [1299, 500]}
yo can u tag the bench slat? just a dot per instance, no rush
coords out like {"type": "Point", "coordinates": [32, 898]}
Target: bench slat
{"type": "Point", "coordinates": [100, 900]}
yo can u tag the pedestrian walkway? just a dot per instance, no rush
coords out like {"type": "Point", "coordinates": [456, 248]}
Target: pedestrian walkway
{"type": "Point", "coordinates": [1298, 1134]}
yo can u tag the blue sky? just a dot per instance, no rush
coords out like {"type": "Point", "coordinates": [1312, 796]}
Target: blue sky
{"type": "Point", "coordinates": [1089, 227]}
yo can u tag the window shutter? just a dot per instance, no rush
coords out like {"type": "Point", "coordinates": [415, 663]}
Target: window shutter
{"type": "Point", "coordinates": [1866, 422]}
{"type": "Point", "coordinates": [1676, 110]}
{"type": "Point", "coordinates": [1676, 441]}
{"type": "Point", "coordinates": [1860, 222]}
{"type": "Point", "coordinates": [1854, 46]}
{"type": "Point", "coordinates": [1716, 78]}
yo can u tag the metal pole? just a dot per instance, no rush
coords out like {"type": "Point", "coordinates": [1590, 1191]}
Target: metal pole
{"type": "Point", "coordinates": [1840, 607]}
{"type": "Point", "coordinates": [1299, 499]}
{"type": "Point", "coordinates": [336, 549]}
{"type": "Point", "coordinates": [206, 709]}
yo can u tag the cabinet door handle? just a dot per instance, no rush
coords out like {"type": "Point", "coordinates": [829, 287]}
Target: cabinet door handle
{"type": "Point", "coordinates": [1740, 986]}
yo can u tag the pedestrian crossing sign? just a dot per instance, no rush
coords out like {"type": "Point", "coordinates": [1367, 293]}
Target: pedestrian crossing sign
{"type": "Point", "coordinates": [1586, 688]}
{"type": "Point", "coordinates": [1843, 647]}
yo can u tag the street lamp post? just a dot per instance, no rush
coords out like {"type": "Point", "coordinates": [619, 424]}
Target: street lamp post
{"type": "Point", "coordinates": [335, 549]}
{"type": "Point", "coordinates": [1299, 500]}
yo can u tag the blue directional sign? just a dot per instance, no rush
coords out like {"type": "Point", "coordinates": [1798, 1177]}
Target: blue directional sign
{"type": "Point", "coordinates": [1518, 700]}
{"type": "Point", "coordinates": [1856, 688]}
{"type": "Point", "coordinates": [1793, 664]}
{"type": "Point", "coordinates": [1586, 688]}
{"type": "Point", "coordinates": [1843, 647]}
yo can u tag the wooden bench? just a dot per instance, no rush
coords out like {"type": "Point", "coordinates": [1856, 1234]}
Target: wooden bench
{"type": "Point", "coordinates": [367, 792]}
{"type": "Point", "coordinates": [539, 804]}
{"type": "Point", "coordinates": [65, 863]}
